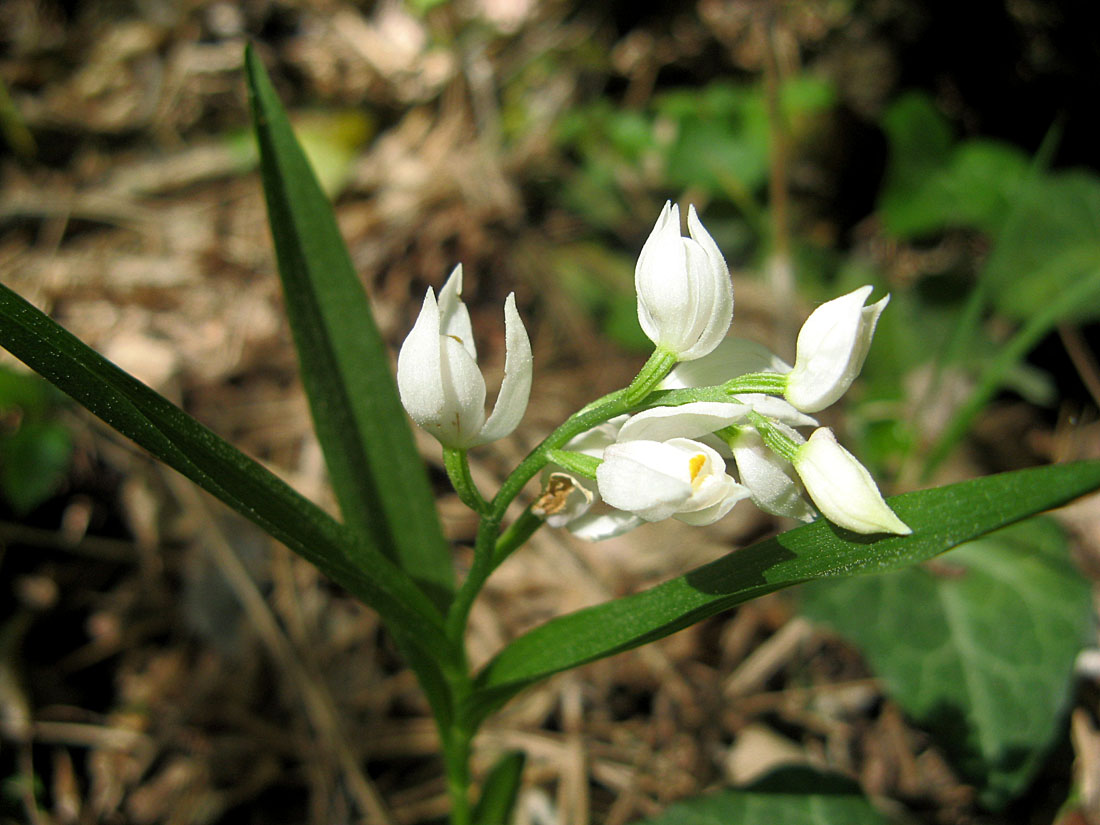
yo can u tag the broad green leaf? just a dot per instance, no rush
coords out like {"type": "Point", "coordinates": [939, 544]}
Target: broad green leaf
{"type": "Point", "coordinates": [941, 518]}
{"type": "Point", "coordinates": [979, 648]}
{"type": "Point", "coordinates": [187, 446]}
{"type": "Point", "coordinates": [379, 478]}
{"type": "Point", "coordinates": [1052, 240]}
{"type": "Point", "coordinates": [499, 792]}
{"type": "Point", "coordinates": [788, 796]}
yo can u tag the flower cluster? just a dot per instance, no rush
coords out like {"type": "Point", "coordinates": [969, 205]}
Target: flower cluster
{"type": "Point", "coordinates": [691, 459]}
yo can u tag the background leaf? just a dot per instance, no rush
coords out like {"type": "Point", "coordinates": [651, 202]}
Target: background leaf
{"type": "Point", "coordinates": [788, 796]}
{"type": "Point", "coordinates": [990, 637]}
{"type": "Point", "coordinates": [941, 518]}
{"type": "Point", "coordinates": [1051, 241]}
{"type": "Point", "coordinates": [376, 471]}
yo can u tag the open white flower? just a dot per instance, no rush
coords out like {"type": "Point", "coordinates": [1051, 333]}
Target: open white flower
{"type": "Point", "coordinates": [441, 386]}
{"type": "Point", "coordinates": [658, 479]}
{"type": "Point", "coordinates": [657, 469]}
{"type": "Point", "coordinates": [842, 488]}
{"type": "Point", "coordinates": [832, 346]}
{"type": "Point", "coordinates": [685, 296]}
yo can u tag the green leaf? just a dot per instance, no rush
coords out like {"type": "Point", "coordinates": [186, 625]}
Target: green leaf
{"type": "Point", "coordinates": [187, 446]}
{"type": "Point", "coordinates": [498, 794]}
{"type": "Point", "coordinates": [941, 518]}
{"type": "Point", "coordinates": [378, 476]}
{"type": "Point", "coordinates": [1051, 241]}
{"type": "Point", "coordinates": [975, 188]}
{"type": "Point", "coordinates": [920, 145]}
{"type": "Point", "coordinates": [784, 797]}
{"type": "Point", "coordinates": [34, 461]}
{"type": "Point", "coordinates": [979, 649]}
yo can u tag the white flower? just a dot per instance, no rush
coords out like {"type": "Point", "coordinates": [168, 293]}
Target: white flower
{"type": "Point", "coordinates": [657, 469]}
{"type": "Point", "coordinates": [831, 349]}
{"type": "Point", "coordinates": [440, 384]}
{"type": "Point", "coordinates": [842, 488]}
{"type": "Point", "coordinates": [685, 297]}
{"type": "Point", "coordinates": [769, 478]}
{"type": "Point", "coordinates": [658, 479]}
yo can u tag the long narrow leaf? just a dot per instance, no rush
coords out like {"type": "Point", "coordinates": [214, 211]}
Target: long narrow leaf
{"type": "Point", "coordinates": [184, 444]}
{"type": "Point", "coordinates": [941, 518]}
{"type": "Point", "coordinates": [378, 476]}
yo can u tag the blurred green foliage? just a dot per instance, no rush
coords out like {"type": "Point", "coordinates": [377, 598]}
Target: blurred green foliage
{"type": "Point", "coordinates": [35, 446]}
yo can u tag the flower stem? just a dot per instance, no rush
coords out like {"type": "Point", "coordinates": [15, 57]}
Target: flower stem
{"type": "Point", "coordinates": [458, 471]}
{"type": "Point", "coordinates": [777, 441]}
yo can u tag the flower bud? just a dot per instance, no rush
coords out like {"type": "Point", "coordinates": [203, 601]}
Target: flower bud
{"type": "Point", "coordinates": [685, 296]}
{"type": "Point", "coordinates": [832, 346]}
{"type": "Point", "coordinates": [842, 488]}
{"type": "Point", "coordinates": [438, 378]}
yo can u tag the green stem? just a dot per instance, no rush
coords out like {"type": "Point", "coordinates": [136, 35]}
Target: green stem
{"type": "Point", "coordinates": [515, 535]}
{"type": "Point", "coordinates": [777, 441]}
{"type": "Point", "coordinates": [456, 755]}
{"type": "Point", "coordinates": [492, 546]}
{"type": "Point", "coordinates": [485, 559]}
{"type": "Point", "coordinates": [458, 470]}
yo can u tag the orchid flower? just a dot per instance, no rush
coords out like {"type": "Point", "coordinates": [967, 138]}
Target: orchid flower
{"type": "Point", "coordinates": [685, 296]}
{"type": "Point", "coordinates": [842, 488]}
{"type": "Point", "coordinates": [832, 346]}
{"type": "Point", "coordinates": [657, 469]}
{"type": "Point", "coordinates": [440, 384]}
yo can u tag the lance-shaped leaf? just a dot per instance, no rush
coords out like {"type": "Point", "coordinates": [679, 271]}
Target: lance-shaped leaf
{"type": "Point", "coordinates": [184, 444]}
{"type": "Point", "coordinates": [376, 471]}
{"type": "Point", "coordinates": [941, 518]}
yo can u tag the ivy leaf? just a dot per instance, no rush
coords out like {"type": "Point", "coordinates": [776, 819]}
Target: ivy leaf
{"type": "Point", "coordinates": [979, 649]}
{"type": "Point", "coordinates": [788, 795]}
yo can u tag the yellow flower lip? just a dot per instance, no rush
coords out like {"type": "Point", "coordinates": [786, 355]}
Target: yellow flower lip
{"type": "Point", "coordinates": [695, 464]}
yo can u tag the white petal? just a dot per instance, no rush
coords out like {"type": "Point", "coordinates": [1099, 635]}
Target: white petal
{"type": "Point", "coordinates": [419, 379]}
{"type": "Point", "coordinates": [463, 411]}
{"type": "Point", "coordinates": [842, 488]}
{"type": "Point", "coordinates": [515, 388]}
{"type": "Point", "coordinates": [714, 305]}
{"type": "Point", "coordinates": [648, 478]}
{"type": "Point", "coordinates": [600, 526]}
{"type": "Point", "coordinates": [565, 498]}
{"type": "Point", "coordinates": [732, 357]}
{"type": "Point", "coordinates": [734, 493]}
{"type": "Point", "coordinates": [769, 479]}
{"type": "Point", "coordinates": [686, 421]}
{"type": "Point", "coordinates": [660, 278]}
{"type": "Point", "coordinates": [832, 346]}
{"type": "Point", "coordinates": [454, 318]}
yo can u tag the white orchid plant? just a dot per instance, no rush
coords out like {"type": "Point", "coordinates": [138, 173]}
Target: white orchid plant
{"type": "Point", "coordinates": [709, 421]}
